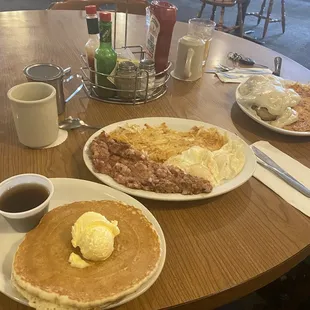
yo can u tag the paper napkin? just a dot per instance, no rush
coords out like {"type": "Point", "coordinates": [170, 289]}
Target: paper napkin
{"type": "Point", "coordinates": [240, 75]}
{"type": "Point", "coordinates": [290, 165]}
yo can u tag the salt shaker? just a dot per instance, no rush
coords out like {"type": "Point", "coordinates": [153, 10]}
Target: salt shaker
{"type": "Point", "coordinates": [126, 79]}
{"type": "Point", "coordinates": [147, 78]}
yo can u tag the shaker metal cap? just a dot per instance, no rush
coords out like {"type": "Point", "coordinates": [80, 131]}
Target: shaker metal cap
{"type": "Point", "coordinates": [127, 66]}
{"type": "Point", "coordinates": [147, 64]}
{"type": "Point", "coordinates": [43, 72]}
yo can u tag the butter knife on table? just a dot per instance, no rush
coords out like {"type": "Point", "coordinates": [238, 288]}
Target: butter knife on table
{"type": "Point", "coordinates": [269, 164]}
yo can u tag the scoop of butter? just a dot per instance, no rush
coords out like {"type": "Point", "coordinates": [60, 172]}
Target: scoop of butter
{"type": "Point", "coordinates": [94, 235]}
{"type": "Point", "coordinates": [76, 261]}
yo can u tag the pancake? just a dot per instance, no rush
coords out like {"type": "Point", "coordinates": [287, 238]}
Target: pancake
{"type": "Point", "coordinates": [43, 275]}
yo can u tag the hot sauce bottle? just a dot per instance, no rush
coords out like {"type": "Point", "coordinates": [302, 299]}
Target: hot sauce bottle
{"type": "Point", "coordinates": [93, 41]}
{"type": "Point", "coordinates": [105, 56]}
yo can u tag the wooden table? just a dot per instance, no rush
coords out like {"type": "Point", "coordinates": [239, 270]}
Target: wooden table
{"type": "Point", "coordinates": [218, 249]}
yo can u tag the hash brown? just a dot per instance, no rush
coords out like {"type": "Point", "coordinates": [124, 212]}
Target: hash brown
{"type": "Point", "coordinates": [161, 142]}
{"type": "Point", "coordinates": [303, 108]}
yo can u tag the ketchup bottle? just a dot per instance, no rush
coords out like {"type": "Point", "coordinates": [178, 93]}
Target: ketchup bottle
{"type": "Point", "coordinates": [162, 21]}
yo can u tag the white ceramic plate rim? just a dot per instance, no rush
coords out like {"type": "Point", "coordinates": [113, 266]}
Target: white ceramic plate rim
{"type": "Point", "coordinates": [104, 193]}
{"type": "Point", "coordinates": [265, 124]}
{"type": "Point", "coordinates": [177, 124]}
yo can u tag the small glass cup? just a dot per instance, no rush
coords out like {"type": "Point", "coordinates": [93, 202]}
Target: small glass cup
{"type": "Point", "coordinates": [203, 29]}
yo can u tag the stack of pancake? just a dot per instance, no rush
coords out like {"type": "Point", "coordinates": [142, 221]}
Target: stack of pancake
{"type": "Point", "coordinates": [42, 274]}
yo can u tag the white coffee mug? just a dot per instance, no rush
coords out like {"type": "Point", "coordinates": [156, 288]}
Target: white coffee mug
{"type": "Point", "coordinates": [34, 110]}
{"type": "Point", "coordinates": [190, 55]}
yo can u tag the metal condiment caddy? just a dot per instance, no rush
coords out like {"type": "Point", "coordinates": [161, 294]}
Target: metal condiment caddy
{"type": "Point", "coordinates": [134, 94]}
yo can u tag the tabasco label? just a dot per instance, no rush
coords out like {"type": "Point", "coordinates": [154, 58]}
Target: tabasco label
{"type": "Point", "coordinates": [152, 35]}
{"type": "Point", "coordinates": [105, 33]}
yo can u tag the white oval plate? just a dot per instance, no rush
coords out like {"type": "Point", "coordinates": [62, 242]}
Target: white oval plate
{"type": "Point", "coordinates": [267, 125]}
{"type": "Point", "coordinates": [180, 125]}
{"type": "Point", "coordinates": [67, 191]}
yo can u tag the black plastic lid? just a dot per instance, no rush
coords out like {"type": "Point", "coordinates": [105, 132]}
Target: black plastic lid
{"type": "Point", "coordinates": [92, 25]}
{"type": "Point", "coordinates": [43, 72]}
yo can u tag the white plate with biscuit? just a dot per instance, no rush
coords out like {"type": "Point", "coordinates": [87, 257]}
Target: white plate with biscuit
{"type": "Point", "coordinates": [266, 124]}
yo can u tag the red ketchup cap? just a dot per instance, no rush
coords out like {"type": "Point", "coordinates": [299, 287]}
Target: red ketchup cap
{"type": "Point", "coordinates": [105, 16]}
{"type": "Point", "coordinates": [91, 9]}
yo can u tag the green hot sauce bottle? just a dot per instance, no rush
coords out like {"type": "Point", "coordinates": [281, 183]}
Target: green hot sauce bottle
{"type": "Point", "coordinates": [105, 56]}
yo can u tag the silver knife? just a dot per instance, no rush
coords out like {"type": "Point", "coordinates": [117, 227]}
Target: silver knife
{"type": "Point", "coordinates": [240, 71]}
{"type": "Point", "coordinates": [269, 164]}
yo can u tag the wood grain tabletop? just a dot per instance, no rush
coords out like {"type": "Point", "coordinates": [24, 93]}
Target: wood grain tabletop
{"type": "Point", "coordinates": [218, 249]}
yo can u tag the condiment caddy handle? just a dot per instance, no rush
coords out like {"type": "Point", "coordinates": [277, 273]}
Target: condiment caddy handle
{"type": "Point", "coordinates": [66, 72]}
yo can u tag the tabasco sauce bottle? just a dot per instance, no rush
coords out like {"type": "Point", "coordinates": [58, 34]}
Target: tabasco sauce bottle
{"type": "Point", "coordinates": [93, 41]}
{"type": "Point", "coordinates": [105, 56]}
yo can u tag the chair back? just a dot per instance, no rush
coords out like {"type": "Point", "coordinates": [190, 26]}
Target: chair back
{"type": "Point", "coordinates": [134, 7]}
{"type": "Point", "coordinates": [220, 2]}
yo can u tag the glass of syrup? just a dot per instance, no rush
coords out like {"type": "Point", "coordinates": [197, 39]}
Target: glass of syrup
{"type": "Point", "coordinates": [24, 199]}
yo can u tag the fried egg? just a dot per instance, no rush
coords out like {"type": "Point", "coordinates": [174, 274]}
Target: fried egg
{"type": "Point", "coordinates": [217, 166]}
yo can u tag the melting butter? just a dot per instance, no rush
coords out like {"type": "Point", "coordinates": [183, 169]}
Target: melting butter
{"type": "Point", "coordinates": [94, 234]}
{"type": "Point", "coordinates": [76, 261]}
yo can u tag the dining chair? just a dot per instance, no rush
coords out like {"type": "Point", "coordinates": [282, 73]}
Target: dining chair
{"type": "Point", "coordinates": [223, 4]}
{"type": "Point", "coordinates": [260, 15]}
{"type": "Point", "coordinates": [133, 6]}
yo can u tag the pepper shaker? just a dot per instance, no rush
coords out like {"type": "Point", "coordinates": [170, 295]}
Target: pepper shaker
{"type": "Point", "coordinates": [147, 67]}
{"type": "Point", "coordinates": [126, 80]}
